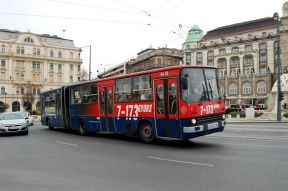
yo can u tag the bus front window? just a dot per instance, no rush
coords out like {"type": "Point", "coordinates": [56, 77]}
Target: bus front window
{"type": "Point", "coordinates": [201, 85]}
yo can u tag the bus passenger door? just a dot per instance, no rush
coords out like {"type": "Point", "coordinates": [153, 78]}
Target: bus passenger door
{"type": "Point", "coordinates": [166, 108]}
{"type": "Point", "coordinates": [106, 109]}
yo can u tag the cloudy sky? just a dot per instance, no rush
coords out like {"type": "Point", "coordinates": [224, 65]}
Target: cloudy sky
{"type": "Point", "coordinates": [118, 29]}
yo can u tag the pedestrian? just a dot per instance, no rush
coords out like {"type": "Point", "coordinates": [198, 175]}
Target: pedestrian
{"type": "Point", "coordinates": [285, 105]}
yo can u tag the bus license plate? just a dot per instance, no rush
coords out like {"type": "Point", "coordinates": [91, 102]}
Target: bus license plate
{"type": "Point", "coordinates": [213, 125]}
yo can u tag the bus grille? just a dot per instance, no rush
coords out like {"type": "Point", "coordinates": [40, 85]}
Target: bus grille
{"type": "Point", "coordinates": [209, 119]}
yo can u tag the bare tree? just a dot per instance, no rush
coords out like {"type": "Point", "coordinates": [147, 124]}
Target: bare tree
{"type": "Point", "coordinates": [84, 76]}
{"type": "Point", "coordinates": [28, 97]}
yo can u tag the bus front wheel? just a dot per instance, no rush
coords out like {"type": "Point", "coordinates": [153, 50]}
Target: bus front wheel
{"type": "Point", "coordinates": [147, 132]}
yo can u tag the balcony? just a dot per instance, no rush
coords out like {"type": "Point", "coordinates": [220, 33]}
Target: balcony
{"type": "Point", "coordinates": [247, 75]}
{"type": "Point", "coordinates": [234, 64]}
{"type": "Point", "coordinates": [248, 64]}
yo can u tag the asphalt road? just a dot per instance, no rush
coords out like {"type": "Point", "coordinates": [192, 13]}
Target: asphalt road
{"type": "Point", "coordinates": [245, 157]}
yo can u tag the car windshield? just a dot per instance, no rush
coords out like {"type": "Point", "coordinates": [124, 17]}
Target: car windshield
{"type": "Point", "coordinates": [202, 85]}
{"type": "Point", "coordinates": [10, 116]}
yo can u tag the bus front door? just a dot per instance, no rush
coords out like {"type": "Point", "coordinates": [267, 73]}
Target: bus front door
{"type": "Point", "coordinates": [166, 108]}
{"type": "Point", "coordinates": [106, 109]}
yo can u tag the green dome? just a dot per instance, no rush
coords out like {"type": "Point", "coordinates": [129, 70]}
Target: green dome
{"type": "Point", "coordinates": [195, 34]}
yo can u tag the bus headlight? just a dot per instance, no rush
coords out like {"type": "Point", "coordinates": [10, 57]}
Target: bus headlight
{"type": "Point", "coordinates": [193, 121]}
{"type": "Point", "coordinates": [223, 116]}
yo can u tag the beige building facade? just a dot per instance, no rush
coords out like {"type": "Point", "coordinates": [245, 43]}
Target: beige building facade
{"type": "Point", "coordinates": [147, 59]}
{"type": "Point", "coordinates": [244, 54]}
{"type": "Point", "coordinates": [33, 63]}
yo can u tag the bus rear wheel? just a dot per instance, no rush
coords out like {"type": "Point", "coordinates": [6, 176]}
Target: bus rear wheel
{"type": "Point", "coordinates": [147, 132]}
{"type": "Point", "coordinates": [82, 129]}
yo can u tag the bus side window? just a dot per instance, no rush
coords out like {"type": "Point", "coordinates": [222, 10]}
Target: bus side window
{"type": "Point", "coordinates": [160, 99]}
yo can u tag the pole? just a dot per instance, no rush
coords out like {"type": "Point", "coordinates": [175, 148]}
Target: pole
{"type": "Point", "coordinates": [278, 64]}
{"type": "Point", "coordinates": [90, 64]}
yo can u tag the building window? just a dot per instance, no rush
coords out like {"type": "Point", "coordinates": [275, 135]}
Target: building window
{"type": "Point", "coordinates": [21, 90]}
{"type": "Point", "coordinates": [188, 59]}
{"type": "Point", "coordinates": [233, 89]}
{"type": "Point", "coordinates": [263, 47]}
{"type": "Point", "coordinates": [247, 88]}
{"type": "Point", "coordinates": [261, 87]}
{"type": "Point", "coordinates": [59, 54]}
{"type": "Point", "coordinates": [263, 59]}
{"type": "Point", "coordinates": [199, 58]}
{"type": "Point", "coordinates": [78, 68]}
{"type": "Point", "coordinates": [235, 50]}
{"type": "Point", "coordinates": [51, 65]}
{"type": "Point", "coordinates": [21, 76]}
{"type": "Point", "coordinates": [18, 50]}
{"type": "Point", "coordinates": [22, 50]}
{"type": "Point", "coordinates": [3, 63]}
{"type": "Point", "coordinates": [71, 79]}
{"type": "Point", "coordinates": [35, 65]}
{"type": "Point", "coordinates": [71, 54]}
{"type": "Point", "coordinates": [248, 60]}
{"type": "Point", "coordinates": [38, 52]}
{"type": "Point", "coordinates": [235, 62]}
{"type": "Point", "coordinates": [248, 48]}
{"type": "Point", "coordinates": [3, 49]}
{"type": "Point", "coordinates": [51, 53]}
{"type": "Point", "coordinates": [28, 40]}
{"type": "Point", "coordinates": [222, 52]}
{"type": "Point", "coordinates": [59, 67]}
{"type": "Point", "coordinates": [71, 67]}
{"type": "Point", "coordinates": [3, 90]}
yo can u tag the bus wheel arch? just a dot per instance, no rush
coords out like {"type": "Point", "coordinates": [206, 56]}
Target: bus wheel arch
{"type": "Point", "coordinates": [82, 127]}
{"type": "Point", "coordinates": [146, 131]}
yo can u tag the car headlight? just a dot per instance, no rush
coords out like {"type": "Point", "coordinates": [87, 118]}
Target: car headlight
{"type": "Point", "coordinates": [193, 121]}
{"type": "Point", "coordinates": [223, 116]}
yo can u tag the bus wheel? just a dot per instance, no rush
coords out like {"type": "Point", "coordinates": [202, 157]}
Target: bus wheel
{"type": "Point", "coordinates": [50, 127]}
{"type": "Point", "coordinates": [147, 133]}
{"type": "Point", "coordinates": [82, 129]}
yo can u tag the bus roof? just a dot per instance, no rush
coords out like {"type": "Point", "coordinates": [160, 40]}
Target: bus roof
{"type": "Point", "coordinates": [151, 71]}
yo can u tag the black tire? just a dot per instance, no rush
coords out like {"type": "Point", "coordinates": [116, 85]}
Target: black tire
{"type": "Point", "coordinates": [147, 132]}
{"type": "Point", "coordinates": [50, 127]}
{"type": "Point", "coordinates": [25, 132]}
{"type": "Point", "coordinates": [82, 129]}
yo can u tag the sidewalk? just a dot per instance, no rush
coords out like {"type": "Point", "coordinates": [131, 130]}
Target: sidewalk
{"type": "Point", "coordinates": [255, 120]}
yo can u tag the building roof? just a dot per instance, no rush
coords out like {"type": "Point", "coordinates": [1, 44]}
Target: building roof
{"type": "Point", "coordinates": [195, 34]}
{"type": "Point", "coordinates": [247, 26]}
{"type": "Point", "coordinates": [53, 40]}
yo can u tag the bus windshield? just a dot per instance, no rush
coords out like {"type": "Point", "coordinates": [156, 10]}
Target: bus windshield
{"type": "Point", "coordinates": [199, 84]}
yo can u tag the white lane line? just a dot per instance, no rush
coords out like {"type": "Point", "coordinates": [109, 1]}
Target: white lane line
{"type": "Point", "coordinates": [179, 161]}
{"type": "Point", "coordinates": [31, 135]}
{"type": "Point", "coordinates": [67, 143]}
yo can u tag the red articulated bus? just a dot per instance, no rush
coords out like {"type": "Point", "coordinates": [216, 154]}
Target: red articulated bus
{"type": "Point", "coordinates": [180, 102]}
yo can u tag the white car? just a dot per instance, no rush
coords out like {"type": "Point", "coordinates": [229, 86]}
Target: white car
{"type": "Point", "coordinates": [30, 119]}
{"type": "Point", "coordinates": [13, 122]}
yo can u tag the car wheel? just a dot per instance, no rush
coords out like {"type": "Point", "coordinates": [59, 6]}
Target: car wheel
{"type": "Point", "coordinates": [147, 133]}
{"type": "Point", "coordinates": [26, 132]}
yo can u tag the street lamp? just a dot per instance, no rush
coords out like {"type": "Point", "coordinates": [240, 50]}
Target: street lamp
{"type": "Point", "coordinates": [5, 93]}
{"type": "Point", "coordinates": [278, 65]}
{"type": "Point", "coordinates": [89, 59]}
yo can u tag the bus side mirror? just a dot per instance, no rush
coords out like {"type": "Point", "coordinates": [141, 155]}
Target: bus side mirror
{"type": "Point", "coordinates": [184, 83]}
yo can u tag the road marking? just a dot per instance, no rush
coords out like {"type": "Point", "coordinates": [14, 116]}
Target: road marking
{"type": "Point", "coordinates": [31, 135]}
{"type": "Point", "coordinates": [67, 143]}
{"type": "Point", "coordinates": [179, 161]}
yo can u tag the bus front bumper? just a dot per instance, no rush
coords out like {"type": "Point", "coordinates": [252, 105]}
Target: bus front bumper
{"type": "Point", "coordinates": [203, 129]}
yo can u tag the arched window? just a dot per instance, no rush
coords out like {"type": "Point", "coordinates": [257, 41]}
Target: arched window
{"type": "Point", "coordinates": [247, 88]}
{"type": "Point", "coordinates": [222, 63]}
{"type": "Point", "coordinates": [261, 87]}
{"type": "Point", "coordinates": [248, 60]}
{"type": "Point", "coordinates": [235, 62]}
{"type": "Point", "coordinates": [233, 89]}
{"type": "Point", "coordinates": [28, 40]}
{"type": "Point", "coordinates": [2, 90]}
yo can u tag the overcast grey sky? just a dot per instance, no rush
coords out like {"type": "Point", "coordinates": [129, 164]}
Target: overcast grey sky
{"type": "Point", "coordinates": [119, 29]}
